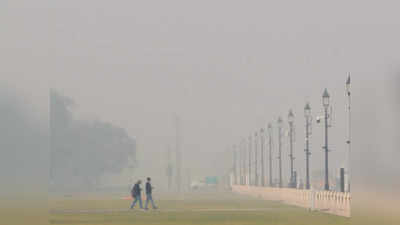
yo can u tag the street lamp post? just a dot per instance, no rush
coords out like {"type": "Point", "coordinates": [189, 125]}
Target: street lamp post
{"type": "Point", "coordinates": [256, 160]}
{"type": "Point", "coordinates": [240, 153]}
{"type": "Point", "coordinates": [325, 102]}
{"type": "Point", "coordinates": [240, 150]}
{"type": "Point", "coordinates": [234, 165]}
{"type": "Point", "coordinates": [349, 134]}
{"type": "Point", "coordinates": [178, 155]}
{"type": "Point", "coordinates": [270, 153]}
{"type": "Point", "coordinates": [262, 138]}
{"type": "Point", "coordinates": [280, 121]}
{"type": "Point", "coordinates": [238, 164]}
{"type": "Point", "coordinates": [250, 154]}
{"type": "Point", "coordinates": [291, 157]}
{"type": "Point", "coordinates": [307, 114]}
{"type": "Point", "coordinates": [243, 144]}
{"type": "Point", "coordinates": [169, 169]}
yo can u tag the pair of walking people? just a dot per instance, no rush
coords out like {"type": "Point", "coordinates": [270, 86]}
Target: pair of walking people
{"type": "Point", "coordinates": [137, 194]}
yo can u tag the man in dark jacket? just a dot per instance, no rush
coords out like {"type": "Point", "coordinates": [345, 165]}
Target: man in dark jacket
{"type": "Point", "coordinates": [136, 194]}
{"type": "Point", "coordinates": [149, 198]}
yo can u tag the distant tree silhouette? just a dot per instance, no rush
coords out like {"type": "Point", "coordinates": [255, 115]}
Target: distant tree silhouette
{"type": "Point", "coordinates": [82, 151]}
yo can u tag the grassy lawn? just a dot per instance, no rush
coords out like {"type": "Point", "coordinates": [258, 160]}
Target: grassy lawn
{"type": "Point", "coordinates": [219, 209]}
{"type": "Point", "coordinates": [205, 208]}
{"type": "Point", "coordinates": [23, 211]}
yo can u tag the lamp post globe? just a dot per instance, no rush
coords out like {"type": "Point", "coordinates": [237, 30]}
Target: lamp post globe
{"type": "Point", "coordinates": [325, 98]}
{"type": "Point", "coordinates": [269, 127]}
{"type": "Point", "coordinates": [290, 117]}
{"type": "Point", "coordinates": [280, 122]}
{"type": "Point", "coordinates": [348, 85]}
{"type": "Point", "coordinates": [307, 110]}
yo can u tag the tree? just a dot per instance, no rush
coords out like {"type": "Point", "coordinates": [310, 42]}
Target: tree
{"type": "Point", "coordinates": [82, 151]}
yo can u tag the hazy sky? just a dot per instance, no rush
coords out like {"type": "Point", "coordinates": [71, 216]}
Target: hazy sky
{"type": "Point", "coordinates": [227, 68]}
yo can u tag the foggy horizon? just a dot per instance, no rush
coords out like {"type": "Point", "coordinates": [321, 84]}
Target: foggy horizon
{"type": "Point", "coordinates": [89, 91]}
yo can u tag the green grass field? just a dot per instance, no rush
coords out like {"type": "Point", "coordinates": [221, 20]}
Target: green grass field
{"type": "Point", "coordinates": [200, 208]}
{"type": "Point", "coordinates": [210, 209]}
{"type": "Point", "coordinates": [204, 208]}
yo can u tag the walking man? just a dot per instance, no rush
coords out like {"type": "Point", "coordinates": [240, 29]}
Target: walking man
{"type": "Point", "coordinates": [136, 194]}
{"type": "Point", "coordinates": [149, 197]}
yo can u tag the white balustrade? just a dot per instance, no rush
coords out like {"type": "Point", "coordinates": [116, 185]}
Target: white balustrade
{"type": "Point", "coordinates": [337, 203]}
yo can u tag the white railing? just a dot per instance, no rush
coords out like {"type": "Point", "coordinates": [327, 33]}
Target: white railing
{"type": "Point", "coordinates": [337, 203]}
